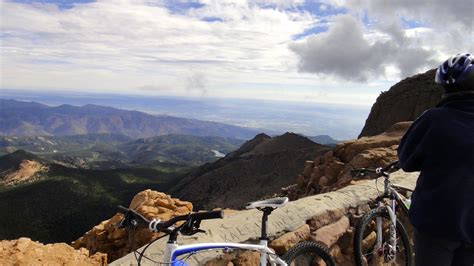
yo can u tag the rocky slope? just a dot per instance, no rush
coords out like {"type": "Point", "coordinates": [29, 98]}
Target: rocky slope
{"type": "Point", "coordinates": [34, 119]}
{"type": "Point", "coordinates": [405, 101]}
{"type": "Point", "coordinates": [21, 167]}
{"type": "Point", "coordinates": [260, 168]}
{"type": "Point", "coordinates": [23, 251]}
{"type": "Point", "coordinates": [331, 170]}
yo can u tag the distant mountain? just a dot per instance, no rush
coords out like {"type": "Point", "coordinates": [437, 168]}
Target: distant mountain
{"type": "Point", "coordinates": [53, 203]}
{"type": "Point", "coordinates": [324, 139]}
{"type": "Point", "coordinates": [259, 168]}
{"type": "Point", "coordinates": [35, 119]}
{"type": "Point", "coordinates": [105, 151]}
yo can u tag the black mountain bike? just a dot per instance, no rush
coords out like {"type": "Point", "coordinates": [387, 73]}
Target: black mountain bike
{"type": "Point", "coordinates": [380, 238]}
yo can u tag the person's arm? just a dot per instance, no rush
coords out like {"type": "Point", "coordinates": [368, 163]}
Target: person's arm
{"type": "Point", "coordinates": [412, 149]}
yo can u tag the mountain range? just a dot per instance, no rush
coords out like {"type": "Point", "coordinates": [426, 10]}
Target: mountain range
{"type": "Point", "coordinates": [69, 165]}
{"type": "Point", "coordinates": [34, 119]}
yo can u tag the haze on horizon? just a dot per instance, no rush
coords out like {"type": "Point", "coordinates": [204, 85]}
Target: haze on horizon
{"type": "Point", "coordinates": [327, 51]}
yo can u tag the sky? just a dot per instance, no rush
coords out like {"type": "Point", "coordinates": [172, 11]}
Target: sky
{"type": "Point", "coordinates": [327, 51]}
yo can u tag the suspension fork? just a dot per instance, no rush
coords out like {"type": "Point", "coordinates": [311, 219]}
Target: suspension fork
{"type": "Point", "coordinates": [392, 230]}
{"type": "Point", "coordinates": [392, 251]}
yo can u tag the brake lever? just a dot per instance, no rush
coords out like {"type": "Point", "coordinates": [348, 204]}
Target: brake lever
{"type": "Point", "coordinates": [127, 221]}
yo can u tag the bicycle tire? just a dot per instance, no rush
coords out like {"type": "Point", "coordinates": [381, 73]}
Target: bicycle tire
{"type": "Point", "coordinates": [304, 253]}
{"type": "Point", "coordinates": [360, 234]}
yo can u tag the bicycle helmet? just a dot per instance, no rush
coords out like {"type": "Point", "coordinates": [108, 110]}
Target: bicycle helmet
{"type": "Point", "coordinates": [455, 70]}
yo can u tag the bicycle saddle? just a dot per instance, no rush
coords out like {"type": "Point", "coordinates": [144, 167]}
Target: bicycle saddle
{"type": "Point", "coordinates": [274, 203]}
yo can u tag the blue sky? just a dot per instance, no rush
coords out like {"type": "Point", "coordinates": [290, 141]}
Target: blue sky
{"type": "Point", "coordinates": [329, 51]}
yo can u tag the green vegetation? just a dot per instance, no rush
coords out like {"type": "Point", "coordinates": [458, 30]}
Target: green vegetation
{"type": "Point", "coordinates": [67, 202]}
{"type": "Point", "coordinates": [106, 151]}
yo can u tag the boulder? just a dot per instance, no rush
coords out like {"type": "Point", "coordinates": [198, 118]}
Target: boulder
{"type": "Point", "coordinates": [330, 234]}
{"type": "Point", "coordinates": [282, 244]}
{"type": "Point", "coordinates": [107, 238]}
{"type": "Point", "coordinates": [327, 217]}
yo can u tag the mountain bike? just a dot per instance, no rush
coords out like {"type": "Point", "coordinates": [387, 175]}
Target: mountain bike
{"type": "Point", "coordinates": [380, 238]}
{"type": "Point", "coordinates": [304, 253]}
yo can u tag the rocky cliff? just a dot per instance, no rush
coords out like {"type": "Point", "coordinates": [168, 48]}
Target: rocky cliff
{"type": "Point", "coordinates": [331, 170]}
{"type": "Point", "coordinates": [405, 101]}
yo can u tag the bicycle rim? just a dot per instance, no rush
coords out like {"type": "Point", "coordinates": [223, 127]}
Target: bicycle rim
{"type": "Point", "coordinates": [368, 251]}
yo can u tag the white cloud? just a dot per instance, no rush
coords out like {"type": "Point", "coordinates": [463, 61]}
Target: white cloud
{"type": "Point", "coordinates": [239, 48]}
{"type": "Point", "coordinates": [347, 51]}
{"type": "Point", "coordinates": [122, 45]}
{"type": "Point", "coordinates": [355, 51]}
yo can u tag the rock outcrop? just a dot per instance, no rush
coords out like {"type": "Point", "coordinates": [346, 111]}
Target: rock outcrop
{"type": "Point", "coordinates": [405, 101]}
{"type": "Point", "coordinates": [115, 242]}
{"type": "Point", "coordinates": [331, 170]}
{"type": "Point", "coordinates": [24, 251]}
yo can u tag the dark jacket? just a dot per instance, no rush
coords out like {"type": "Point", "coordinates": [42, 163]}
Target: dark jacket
{"type": "Point", "coordinates": [440, 144]}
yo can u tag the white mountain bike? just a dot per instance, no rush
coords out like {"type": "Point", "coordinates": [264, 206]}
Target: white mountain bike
{"type": "Point", "coordinates": [380, 238]}
{"type": "Point", "coordinates": [304, 253]}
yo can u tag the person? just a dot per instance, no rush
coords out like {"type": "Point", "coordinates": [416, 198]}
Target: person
{"type": "Point", "coordinates": [440, 144]}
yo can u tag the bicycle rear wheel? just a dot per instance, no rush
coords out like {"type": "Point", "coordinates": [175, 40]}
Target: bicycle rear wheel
{"type": "Point", "coordinates": [366, 250]}
{"type": "Point", "coordinates": [308, 253]}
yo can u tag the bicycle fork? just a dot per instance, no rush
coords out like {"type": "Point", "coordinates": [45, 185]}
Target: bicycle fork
{"type": "Point", "coordinates": [389, 252]}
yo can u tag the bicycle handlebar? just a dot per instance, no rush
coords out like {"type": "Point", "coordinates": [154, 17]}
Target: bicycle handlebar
{"type": "Point", "coordinates": [157, 225]}
{"type": "Point", "coordinates": [361, 172]}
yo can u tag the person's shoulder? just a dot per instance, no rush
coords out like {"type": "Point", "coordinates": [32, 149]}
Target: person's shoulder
{"type": "Point", "coordinates": [429, 114]}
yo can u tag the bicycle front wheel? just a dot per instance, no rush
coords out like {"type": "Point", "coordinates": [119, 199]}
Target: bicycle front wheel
{"type": "Point", "coordinates": [308, 253]}
{"type": "Point", "coordinates": [369, 251]}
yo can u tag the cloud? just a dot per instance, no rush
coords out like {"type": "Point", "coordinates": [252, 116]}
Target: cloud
{"type": "Point", "coordinates": [346, 51]}
{"type": "Point", "coordinates": [123, 45]}
{"type": "Point", "coordinates": [377, 37]}
{"type": "Point", "coordinates": [239, 48]}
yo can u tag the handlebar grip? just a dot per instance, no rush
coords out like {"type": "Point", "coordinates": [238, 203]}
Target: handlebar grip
{"type": "Point", "coordinates": [208, 215]}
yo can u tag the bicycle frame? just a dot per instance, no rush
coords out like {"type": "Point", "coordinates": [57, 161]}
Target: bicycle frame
{"type": "Point", "coordinates": [173, 251]}
{"type": "Point", "coordinates": [395, 197]}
